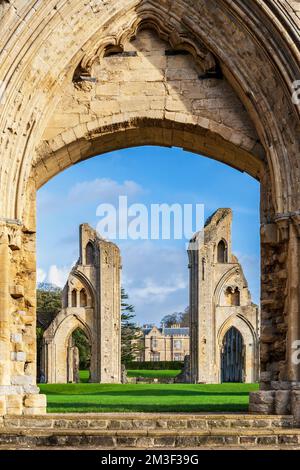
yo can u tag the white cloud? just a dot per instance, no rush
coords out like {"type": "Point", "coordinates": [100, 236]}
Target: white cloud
{"type": "Point", "coordinates": [40, 275]}
{"type": "Point", "coordinates": [58, 275]}
{"type": "Point", "coordinates": [155, 275]}
{"type": "Point", "coordinates": [103, 190]}
{"type": "Point", "coordinates": [160, 291]}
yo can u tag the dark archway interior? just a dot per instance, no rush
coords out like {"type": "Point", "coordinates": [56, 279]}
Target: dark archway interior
{"type": "Point", "coordinates": [233, 357]}
{"type": "Point", "coordinates": [81, 342]}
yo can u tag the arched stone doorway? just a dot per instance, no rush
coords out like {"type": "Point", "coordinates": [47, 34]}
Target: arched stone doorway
{"type": "Point", "coordinates": [86, 305]}
{"type": "Point", "coordinates": [230, 103]}
{"type": "Point", "coordinates": [233, 357]}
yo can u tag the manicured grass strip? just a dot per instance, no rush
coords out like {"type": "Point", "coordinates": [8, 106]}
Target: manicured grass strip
{"type": "Point", "coordinates": [153, 373]}
{"type": "Point", "coordinates": [84, 376]}
{"type": "Point", "coordinates": [85, 398]}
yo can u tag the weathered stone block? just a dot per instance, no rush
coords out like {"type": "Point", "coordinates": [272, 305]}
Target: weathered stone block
{"type": "Point", "coordinates": [295, 406]}
{"type": "Point", "coordinates": [34, 411]}
{"type": "Point", "coordinates": [282, 402]}
{"type": "Point", "coordinates": [4, 373]}
{"type": "Point", "coordinates": [16, 337]}
{"type": "Point", "coordinates": [18, 356]}
{"type": "Point", "coordinates": [269, 234]}
{"type": "Point", "coordinates": [17, 291]}
{"type": "Point", "coordinates": [22, 380]}
{"type": "Point", "coordinates": [14, 404]}
{"type": "Point", "coordinates": [35, 401]}
{"type": "Point", "coordinates": [2, 405]}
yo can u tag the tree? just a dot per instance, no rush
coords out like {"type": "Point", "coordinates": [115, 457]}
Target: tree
{"type": "Point", "coordinates": [169, 320]}
{"type": "Point", "coordinates": [185, 317]}
{"type": "Point", "coordinates": [49, 299]}
{"type": "Point", "coordinates": [131, 344]}
{"type": "Point", "coordinates": [182, 318]}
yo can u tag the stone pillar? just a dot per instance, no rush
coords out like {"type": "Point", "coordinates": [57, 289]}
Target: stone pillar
{"type": "Point", "coordinates": [280, 333]}
{"type": "Point", "coordinates": [18, 391]}
{"type": "Point", "coordinates": [4, 319]}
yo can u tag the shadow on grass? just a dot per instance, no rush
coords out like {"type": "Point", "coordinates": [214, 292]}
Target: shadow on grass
{"type": "Point", "coordinates": [92, 408]}
{"type": "Point", "coordinates": [148, 393]}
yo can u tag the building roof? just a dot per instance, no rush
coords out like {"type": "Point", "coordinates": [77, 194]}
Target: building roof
{"type": "Point", "coordinates": [183, 331]}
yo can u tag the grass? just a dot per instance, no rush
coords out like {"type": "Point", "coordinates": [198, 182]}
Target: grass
{"type": "Point", "coordinates": [85, 397]}
{"type": "Point", "coordinates": [84, 376]}
{"type": "Point", "coordinates": [153, 373]}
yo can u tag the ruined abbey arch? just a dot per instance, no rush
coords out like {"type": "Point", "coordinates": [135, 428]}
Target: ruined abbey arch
{"type": "Point", "coordinates": [219, 301]}
{"type": "Point", "coordinates": [91, 301]}
{"type": "Point", "coordinates": [81, 78]}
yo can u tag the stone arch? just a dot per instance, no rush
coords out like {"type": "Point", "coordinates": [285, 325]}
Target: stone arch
{"type": "Point", "coordinates": [233, 296]}
{"type": "Point", "coordinates": [83, 298]}
{"type": "Point", "coordinates": [56, 341]}
{"type": "Point", "coordinates": [232, 357]}
{"type": "Point", "coordinates": [87, 286]}
{"type": "Point", "coordinates": [89, 254]}
{"type": "Point", "coordinates": [222, 252]}
{"type": "Point", "coordinates": [229, 280]}
{"type": "Point", "coordinates": [73, 298]}
{"type": "Point", "coordinates": [37, 68]}
{"type": "Point", "coordinates": [250, 341]}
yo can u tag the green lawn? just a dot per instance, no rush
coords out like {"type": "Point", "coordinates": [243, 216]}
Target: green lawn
{"type": "Point", "coordinates": [153, 373]}
{"type": "Point", "coordinates": [84, 376]}
{"type": "Point", "coordinates": [86, 397]}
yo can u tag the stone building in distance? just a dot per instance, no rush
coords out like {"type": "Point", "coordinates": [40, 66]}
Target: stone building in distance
{"type": "Point", "coordinates": [224, 321]}
{"type": "Point", "coordinates": [164, 344]}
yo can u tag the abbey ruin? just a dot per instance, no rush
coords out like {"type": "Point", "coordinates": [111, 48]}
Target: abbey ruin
{"type": "Point", "coordinates": [224, 321]}
{"type": "Point", "coordinates": [81, 78]}
{"type": "Point", "coordinates": [92, 303]}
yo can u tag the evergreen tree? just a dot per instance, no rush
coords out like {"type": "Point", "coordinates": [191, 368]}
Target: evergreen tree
{"type": "Point", "coordinates": [130, 332]}
{"type": "Point", "coordinates": [49, 298]}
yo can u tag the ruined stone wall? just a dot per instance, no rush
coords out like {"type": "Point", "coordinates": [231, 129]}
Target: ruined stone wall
{"type": "Point", "coordinates": [212, 281]}
{"type": "Point", "coordinates": [43, 46]}
{"type": "Point", "coordinates": [98, 278]}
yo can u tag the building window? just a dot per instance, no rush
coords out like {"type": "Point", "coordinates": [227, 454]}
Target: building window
{"type": "Point", "coordinates": [89, 254]}
{"type": "Point", "coordinates": [155, 357]}
{"type": "Point", "coordinates": [74, 298]}
{"type": "Point", "coordinates": [178, 357]}
{"type": "Point", "coordinates": [222, 252]}
{"type": "Point", "coordinates": [83, 298]}
{"type": "Point", "coordinates": [178, 344]}
{"type": "Point", "coordinates": [153, 342]}
{"type": "Point", "coordinates": [233, 296]}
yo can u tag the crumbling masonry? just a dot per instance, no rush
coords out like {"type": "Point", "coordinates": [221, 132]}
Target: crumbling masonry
{"type": "Point", "coordinates": [221, 309]}
{"type": "Point", "coordinates": [92, 303]}
{"type": "Point", "coordinates": [81, 78]}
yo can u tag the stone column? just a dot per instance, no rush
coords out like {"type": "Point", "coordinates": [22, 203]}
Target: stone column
{"type": "Point", "coordinates": [4, 319]}
{"type": "Point", "coordinates": [280, 333]}
{"type": "Point", "coordinates": [293, 336]}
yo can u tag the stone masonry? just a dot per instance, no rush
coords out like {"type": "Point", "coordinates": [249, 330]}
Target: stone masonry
{"type": "Point", "coordinates": [219, 300]}
{"type": "Point", "coordinates": [80, 78]}
{"type": "Point", "coordinates": [91, 302]}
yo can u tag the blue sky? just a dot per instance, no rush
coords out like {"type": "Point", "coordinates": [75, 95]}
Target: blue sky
{"type": "Point", "coordinates": [155, 272]}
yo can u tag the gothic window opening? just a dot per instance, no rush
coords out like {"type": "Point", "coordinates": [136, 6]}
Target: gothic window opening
{"type": "Point", "coordinates": [83, 298]}
{"type": "Point", "coordinates": [233, 297]}
{"type": "Point", "coordinates": [222, 252]}
{"type": "Point", "coordinates": [74, 298]}
{"type": "Point", "coordinates": [89, 254]}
